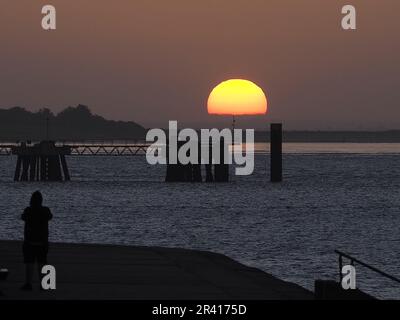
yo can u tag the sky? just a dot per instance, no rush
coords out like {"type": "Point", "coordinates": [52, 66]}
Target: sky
{"type": "Point", "coordinates": [151, 61]}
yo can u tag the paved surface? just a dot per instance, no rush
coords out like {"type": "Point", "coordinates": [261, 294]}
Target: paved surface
{"type": "Point", "coordinates": [118, 272]}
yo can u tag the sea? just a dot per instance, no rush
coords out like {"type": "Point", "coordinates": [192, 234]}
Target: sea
{"type": "Point", "coordinates": [334, 196]}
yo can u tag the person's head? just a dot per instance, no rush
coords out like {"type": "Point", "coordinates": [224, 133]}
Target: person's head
{"type": "Point", "coordinates": [36, 199]}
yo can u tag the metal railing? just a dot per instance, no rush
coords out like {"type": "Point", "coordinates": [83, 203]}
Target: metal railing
{"type": "Point", "coordinates": [354, 260]}
{"type": "Point", "coordinates": [5, 150]}
{"type": "Point", "coordinates": [108, 150]}
{"type": "Point", "coordinates": [90, 149]}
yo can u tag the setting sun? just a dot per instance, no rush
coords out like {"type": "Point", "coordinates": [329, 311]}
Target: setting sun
{"type": "Point", "coordinates": [237, 97]}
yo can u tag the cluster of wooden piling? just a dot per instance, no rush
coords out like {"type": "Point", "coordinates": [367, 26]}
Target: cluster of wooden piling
{"type": "Point", "coordinates": [214, 172]}
{"type": "Point", "coordinates": [43, 161]}
{"type": "Point", "coordinates": [219, 172]}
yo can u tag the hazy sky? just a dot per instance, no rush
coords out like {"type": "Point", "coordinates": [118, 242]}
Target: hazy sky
{"type": "Point", "coordinates": [154, 61]}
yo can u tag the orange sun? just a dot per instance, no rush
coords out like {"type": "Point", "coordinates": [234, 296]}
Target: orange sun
{"type": "Point", "coordinates": [237, 97]}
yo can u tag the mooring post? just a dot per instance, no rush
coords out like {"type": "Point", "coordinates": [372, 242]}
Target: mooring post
{"type": "Point", "coordinates": [187, 169]}
{"type": "Point", "coordinates": [169, 173]}
{"type": "Point", "coordinates": [32, 165]}
{"type": "Point", "coordinates": [18, 169]}
{"type": "Point", "coordinates": [43, 168]}
{"type": "Point", "coordinates": [37, 178]}
{"type": "Point", "coordinates": [187, 173]}
{"type": "Point", "coordinates": [65, 168]}
{"type": "Point", "coordinates": [175, 171]}
{"type": "Point", "coordinates": [54, 168]}
{"type": "Point", "coordinates": [196, 168]}
{"type": "Point", "coordinates": [25, 168]}
{"type": "Point", "coordinates": [209, 173]}
{"type": "Point", "coordinates": [221, 170]}
{"type": "Point", "coordinates": [180, 172]}
{"type": "Point", "coordinates": [276, 152]}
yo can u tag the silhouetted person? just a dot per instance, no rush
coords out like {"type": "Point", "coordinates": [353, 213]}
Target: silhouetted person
{"type": "Point", "coordinates": [36, 237]}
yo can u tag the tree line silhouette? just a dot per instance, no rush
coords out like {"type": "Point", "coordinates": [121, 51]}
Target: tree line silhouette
{"type": "Point", "coordinates": [73, 123]}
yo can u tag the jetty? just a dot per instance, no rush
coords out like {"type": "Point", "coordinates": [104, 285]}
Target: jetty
{"type": "Point", "coordinates": [85, 271]}
{"type": "Point", "coordinates": [46, 160]}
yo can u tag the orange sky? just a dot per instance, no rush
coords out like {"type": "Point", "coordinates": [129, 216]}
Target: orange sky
{"type": "Point", "coordinates": [154, 61]}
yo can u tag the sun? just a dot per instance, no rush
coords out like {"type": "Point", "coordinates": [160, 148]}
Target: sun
{"type": "Point", "coordinates": [237, 97]}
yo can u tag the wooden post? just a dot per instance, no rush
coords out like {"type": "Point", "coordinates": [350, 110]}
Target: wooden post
{"type": "Point", "coordinates": [196, 168]}
{"type": "Point", "coordinates": [25, 168]}
{"type": "Point", "coordinates": [37, 169]}
{"type": "Point", "coordinates": [65, 168]}
{"type": "Point", "coordinates": [32, 165]}
{"type": "Point", "coordinates": [17, 173]}
{"type": "Point", "coordinates": [224, 150]}
{"type": "Point", "coordinates": [43, 168]}
{"type": "Point", "coordinates": [221, 170]}
{"type": "Point", "coordinates": [57, 168]}
{"type": "Point", "coordinates": [197, 173]}
{"type": "Point", "coordinates": [176, 172]}
{"type": "Point", "coordinates": [276, 152]}
{"type": "Point", "coordinates": [209, 173]}
{"type": "Point", "coordinates": [169, 173]}
{"type": "Point", "coordinates": [188, 172]}
{"type": "Point", "coordinates": [54, 169]}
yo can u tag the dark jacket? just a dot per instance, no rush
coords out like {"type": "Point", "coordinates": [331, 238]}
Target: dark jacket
{"type": "Point", "coordinates": [36, 225]}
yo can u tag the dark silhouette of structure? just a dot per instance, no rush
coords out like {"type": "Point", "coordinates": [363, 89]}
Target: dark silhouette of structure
{"type": "Point", "coordinates": [3, 276]}
{"type": "Point", "coordinates": [43, 161]}
{"type": "Point", "coordinates": [276, 152]}
{"type": "Point", "coordinates": [46, 161]}
{"type": "Point", "coordinates": [221, 169]}
{"type": "Point", "coordinates": [36, 234]}
{"type": "Point", "coordinates": [183, 172]}
{"type": "Point", "coordinates": [192, 172]}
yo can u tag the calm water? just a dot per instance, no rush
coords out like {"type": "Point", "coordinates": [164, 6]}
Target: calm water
{"type": "Point", "coordinates": [334, 196]}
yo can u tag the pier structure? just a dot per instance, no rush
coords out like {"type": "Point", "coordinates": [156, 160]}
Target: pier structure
{"type": "Point", "coordinates": [107, 149]}
{"type": "Point", "coordinates": [46, 160]}
{"type": "Point", "coordinates": [42, 161]}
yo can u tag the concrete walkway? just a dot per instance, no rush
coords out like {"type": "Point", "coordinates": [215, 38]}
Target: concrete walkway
{"type": "Point", "coordinates": [118, 272]}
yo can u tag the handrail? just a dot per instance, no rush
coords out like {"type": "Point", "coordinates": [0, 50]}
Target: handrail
{"type": "Point", "coordinates": [352, 260]}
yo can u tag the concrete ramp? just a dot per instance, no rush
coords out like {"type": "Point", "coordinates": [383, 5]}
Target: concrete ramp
{"type": "Point", "coordinates": [142, 273]}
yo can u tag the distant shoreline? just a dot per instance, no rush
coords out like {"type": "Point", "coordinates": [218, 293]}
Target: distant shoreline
{"type": "Point", "coordinates": [259, 137]}
{"type": "Point", "coordinates": [79, 124]}
{"type": "Point", "coordinates": [301, 136]}
{"type": "Point", "coordinates": [387, 136]}
{"type": "Point", "coordinates": [391, 136]}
